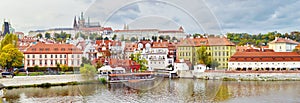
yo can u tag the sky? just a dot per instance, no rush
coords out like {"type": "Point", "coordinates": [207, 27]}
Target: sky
{"type": "Point", "coordinates": [196, 16]}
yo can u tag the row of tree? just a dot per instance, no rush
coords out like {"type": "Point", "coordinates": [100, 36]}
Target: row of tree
{"type": "Point", "coordinates": [10, 56]}
{"type": "Point", "coordinates": [261, 39]}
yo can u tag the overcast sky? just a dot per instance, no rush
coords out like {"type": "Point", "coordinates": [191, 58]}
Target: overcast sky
{"type": "Point", "coordinates": [196, 16]}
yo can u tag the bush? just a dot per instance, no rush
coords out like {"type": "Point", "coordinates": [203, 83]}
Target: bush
{"type": "Point", "coordinates": [88, 71]}
{"type": "Point", "coordinates": [102, 80]}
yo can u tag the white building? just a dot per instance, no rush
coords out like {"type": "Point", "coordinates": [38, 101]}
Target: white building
{"type": "Point", "coordinates": [181, 65]}
{"type": "Point", "coordinates": [262, 60]}
{"type": "Point", "coordinates": [283, 45]}
{"type": "Point", "coordinates": [148, 33]}
{"type": "Point", "coordinates": [48, 55]}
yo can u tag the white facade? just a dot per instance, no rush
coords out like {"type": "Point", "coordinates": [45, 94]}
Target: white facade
{"type": "Point", "coordinates": [50, 60]}
{"type": "Point", "coordinates": [180, 66]}
{"type": "Point", "coordinates": [200, 68]}
{"type": "Point", "coordinates": [264, 65]}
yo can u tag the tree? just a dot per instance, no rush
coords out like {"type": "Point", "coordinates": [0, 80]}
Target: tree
{"type": "Point", "coordinates": [64, 68]}
{"type": "Point", "coordinates": [36, 68]}
{"type": "Point", "coordinates": [85, 61]}
{"type": "Point", "coordinates": [39, 35]}
{"type": "Point", "coordinates": [197, 35]}
{"type": "Point", "coordinates": [133, 39]}
{"type": "Point", "coordinates": [10, 56]}
{"type": "Point", "coordinates": [154, 38]}
{"type": "Point", "coordinates": [88, 71]}
{"type": "Point", "coordinates": [161, 37]}
{"type": "Point", "coordinates": [174, 38]}
{"type": "Point", "coordinates": [114, 37]}
{"type": "Point", "coordinates": [106, 38]}
{"type": "Point", "coordinates": [47, 35]}
{"type": "Point", "coordinates": [202, 56]}
{"type": "Point", "coordinates": [9, 39]}
{"type": "Point", "coordinates": [168, 37]}
{"type": "Point", "coordinates": [137, 58]}
{"type": "Point", "coordinates": [99, 64]}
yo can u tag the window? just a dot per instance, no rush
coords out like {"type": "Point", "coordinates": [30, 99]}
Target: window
{"type": "Point", "coordinates": [28, 56]}
{"type": "Point", "coordinates": [55, 56]}
{"type": "Point", "coordinates": [33, 62]}
{"type": "Point", "coordinates": [61, 62]}
{"type": "Point", "coordinates": [28, 62]}
{"type": "Point", "coordinates": [72, 55]}
{"type": "Point", "coordinates": [55, 49]}
{"type": "Point", "coordinates": [65, 56]}
{"type": "Point", "coordinates": [45, 62]}
{"type": "Point", "coordinates": [33, 56]}
{"type": "Point", "coordinates": [51, 56]}
{"type": "Point", "coordinates": [60, 56]}
{"type": "Point", "coordinates": [41, 49]}
{"type": "Point", "coordinates": [41, 56]}
{"type": "Point", "coordinates": [72, 62]}
{"type": "Point", "coordinates": [51, 62]}
{"type": "Point", "coordinates": [45, 55]}
{"type": "Point", "coordinates": [40, 62]}
{"type": "Point", "coordinates": [78, 62]}
{"type": "Point", "coordinates": [62, 49]}
{"type": "Point", "coordinates": [78, 56]}
{"type": "Point", "coordinates": [47, 49]}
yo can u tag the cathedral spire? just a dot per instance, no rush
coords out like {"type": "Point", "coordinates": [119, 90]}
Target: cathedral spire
{"type": "Point", "coordinates": [75, 26]}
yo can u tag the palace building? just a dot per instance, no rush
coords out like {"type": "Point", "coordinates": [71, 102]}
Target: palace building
{"type": "Point", "coordinates": [48, 55]}
{"type": "Point", "coordinates": [253, 59]}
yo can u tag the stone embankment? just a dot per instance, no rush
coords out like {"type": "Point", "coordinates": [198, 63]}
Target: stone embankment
{"type": "Point", "coordinates": [251, 76]}
{"type": "Point", "coordinates": [31, 80]}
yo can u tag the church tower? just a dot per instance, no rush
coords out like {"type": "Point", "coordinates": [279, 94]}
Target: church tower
{"type": "Point", "coordinates": [81, 21]}
{"type": "Point", "coordinates": [75, 25]}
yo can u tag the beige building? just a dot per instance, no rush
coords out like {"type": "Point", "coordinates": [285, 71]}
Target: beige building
{"type": "Point", "coordinates": [48, 55]}
{"type": "Point", "coordinates": [283, 45]}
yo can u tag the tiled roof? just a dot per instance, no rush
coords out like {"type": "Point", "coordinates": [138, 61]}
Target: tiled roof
{"type": "Point", "coordinates": [130, 47]}
{"type": "Point", "coordinates": [163, 44]}
{"type": "Point", "coordinates": [193, 42]}
{"type": "Point", "coordinates": [264, 56]}
{"type": "Point", "coordinates": [170, 31]}
{"type": "Point", "coordinates": [219, 41]}
{"type": "Point", "coordinates": [138, 30]}
{"type": "Point", "coordinates": [42, 48]}
{"type": "Point", "coordinates": [284, 40]}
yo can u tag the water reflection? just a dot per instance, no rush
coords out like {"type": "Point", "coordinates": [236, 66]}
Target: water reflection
{"type": "Point", "coordinates": [176, 90]}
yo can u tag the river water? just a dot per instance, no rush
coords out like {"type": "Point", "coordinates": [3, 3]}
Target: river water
{"type": "Point", "coordinates": [164, 91]}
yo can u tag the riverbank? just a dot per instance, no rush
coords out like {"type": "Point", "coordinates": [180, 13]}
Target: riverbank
{"type": "Point", "coordinates": [248, 76]}
{"type": "Point", "coordinates": [43, 81]}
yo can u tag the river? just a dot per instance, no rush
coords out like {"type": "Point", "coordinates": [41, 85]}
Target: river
{"type": "Point", "coordinates": [164, 91]}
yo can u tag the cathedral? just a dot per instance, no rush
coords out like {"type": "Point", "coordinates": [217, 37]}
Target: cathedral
{"type": "Point", "coordinates": [82, 23]}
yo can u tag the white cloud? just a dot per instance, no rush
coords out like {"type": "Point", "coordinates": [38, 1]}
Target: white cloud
{"type": "Point", "coordinates": [203, 16]}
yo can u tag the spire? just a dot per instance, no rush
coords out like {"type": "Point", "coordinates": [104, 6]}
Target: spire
{"type": "Point", "coordinates": [75, 23]}
{"type": "Point", "coordinates": [88, 21]}
{"type": "Point", "coordinates": [81, 16]}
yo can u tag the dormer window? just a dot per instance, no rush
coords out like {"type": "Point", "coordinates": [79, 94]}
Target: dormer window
{"type": "Point", "coordinates": [62, 49]}
{"type": "Point", "coordinates": [55, 49]}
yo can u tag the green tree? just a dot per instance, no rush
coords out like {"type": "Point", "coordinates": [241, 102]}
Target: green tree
{"type": "Point", "coordinates": [106, 38]}
{"type": "Point", "coordinates": [154, 38]}
{"type": "Point", "coordinates": [202, 56]}
{"type": "Point", "coordinates": [197, 35]}
{"type": "Point", "coordinates": [161, 37]}
{"type": "Point", "coordinates": [168, 37]}
{"type": "Point", "coordinates": [85, 61]}
{"type": "Point", "coordinates": [99, 64]}
{"type": "Point", "coordinates": [174, 38]}
{"type": "Point", "coordinates": [142, 61]}
{"type": "Point", "coordinates": [10, 56]}
{"type": "Point", "coordinates": [63, 68]}
{"type": "Point", "coordinates": [36, 68]}
{"type": "Point", "coordinates": [39, 35]}
{"type": "Point", "coordinates": [133, 39]}
{"type": "Point", "coordinates": [114, 37]}
{"type": "Point", "coordinates": [9, 39]}
{"type": "Point", "coordinates": [47, 35]}
{"type": "Point", "coordinates": [88, 71]}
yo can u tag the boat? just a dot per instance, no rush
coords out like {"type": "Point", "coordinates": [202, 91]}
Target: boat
{"type": "Point", "coordinates": [118, 74]}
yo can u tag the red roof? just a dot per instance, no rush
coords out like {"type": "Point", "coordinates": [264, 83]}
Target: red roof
{"type": "Point", "coordinates": [218, 41]}
{"type": "Point", "coordinates": [264, 56]}
{"type": "Point", "coordinates": [42, 48]}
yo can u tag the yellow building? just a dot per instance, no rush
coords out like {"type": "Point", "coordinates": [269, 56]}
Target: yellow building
{"type": "Point", "coordinates": [220, 49]}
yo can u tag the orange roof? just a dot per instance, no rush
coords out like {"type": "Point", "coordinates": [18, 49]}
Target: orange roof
{"type": "Point", "coordinates": [130, 47]}
{"type": "Point", "coordinates": [42, 48]}
{"type": "Point", "coordinates": [217, 41]}
{"type": "Point", "coordinates": [193, 42]}
{"type": "Point", "coordinates": [284, 40]}
{"type": "Point", "coordinates": [163, 44]}
{"type": "Point", "coordinates": [264, 56]}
